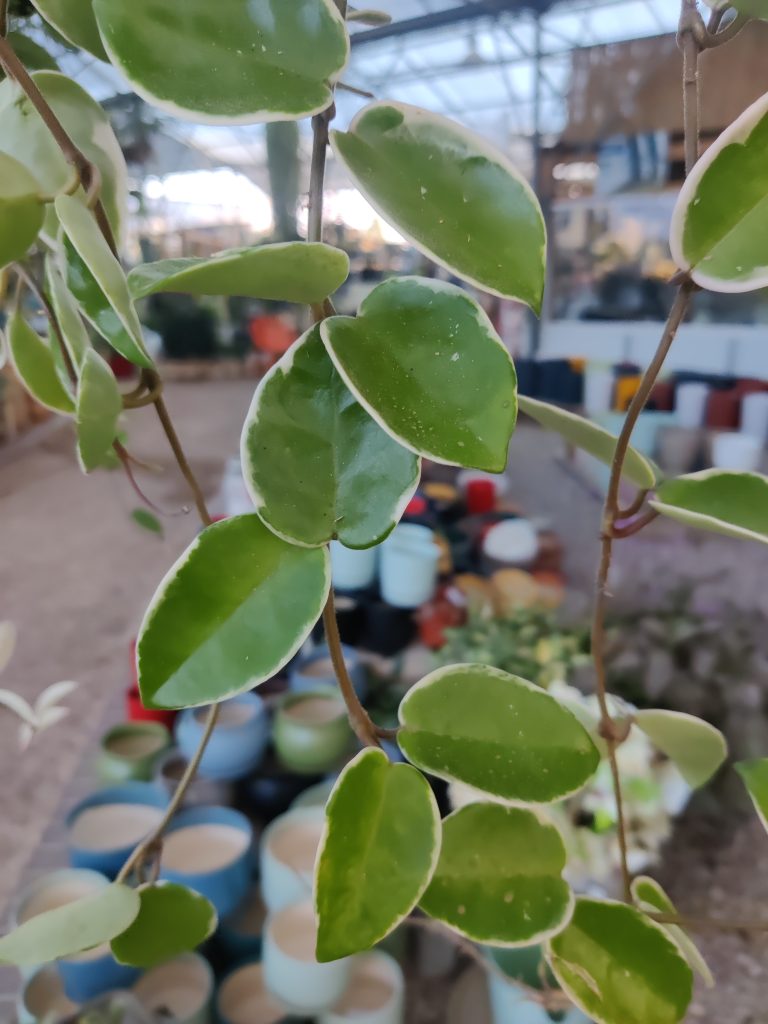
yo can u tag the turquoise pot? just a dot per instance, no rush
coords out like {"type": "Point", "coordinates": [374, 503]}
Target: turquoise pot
{"type": "Point", "coordinates": [510, 1001]}
{"type": "Point", "coordinates": [237, 744]}
{"type": "Point", "coordinates": [311, 731]}
{"type": "Point", "coordinates": [131, 752]}
{"type": "Point", "coordinates": [180, 990]}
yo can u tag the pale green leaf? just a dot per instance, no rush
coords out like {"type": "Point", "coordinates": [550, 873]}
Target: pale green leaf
{"type": "Point", "coordinates": [499, 877]}
{"type": "Point", "coordinates": [34, 363]}
{"type": "Point", "coordinates": [450, 192]}
{"type": "Point", "coordinates": [233, 610]}
{"type": "Point", "coordinates": [7, 643]}
{"type": "Point", "coordinates": [619, 967]}
{"type": "Point", "coordinates": [265, 60]}
{"type": "Point", "coordinates": [696, 747]}
{"type": "Point", "coordinates": [496, 732]}
{"type": "Point", "coordinates": [650, 897]}
{"type": "Point", "coordinates": [379, 850]}
{"type": "Point", "coordinates": [288, 271]}
{"type": "Point", "coordinates": [75, 20]}
{"type": "Point", "coordinates": [755, 776]}
{"type": "Point", "coordinates": [172, 920]}
{"type": "Point", "coordinates": [71, 929]}
{"type": "Point", "coordinates": [424, 360]}
{"type": "Point", "coordinates": [718, 500]}
{"type": "Point", "coordinates": [99, 405]}
{"type": "Point", "coordinates": [21, 209]}
{"type": "Point", "coordinates": [33, 56]}
{"type": "Point", "coordinates": [73, 330]}
{"type": "Point", "coordinates": [147, 521]}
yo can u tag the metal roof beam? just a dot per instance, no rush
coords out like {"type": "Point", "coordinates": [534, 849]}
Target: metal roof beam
{"type": "Point", "coordinates": [453, 16]}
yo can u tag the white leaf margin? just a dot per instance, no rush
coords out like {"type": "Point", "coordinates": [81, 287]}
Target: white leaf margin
{"type": "Point", "coordinates": [706, 522]}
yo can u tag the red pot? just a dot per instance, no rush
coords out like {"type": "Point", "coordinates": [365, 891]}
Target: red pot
{"type": "Point", "coordinates": [136, 712]}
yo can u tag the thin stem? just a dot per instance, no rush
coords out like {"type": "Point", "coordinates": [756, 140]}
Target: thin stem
{"type": "Point", "coordinates": [181, 459]}
{"type": "Point", "coordinates": [621, 532]}
{"type": "Point", "coordinates": [634, 507]}
{"type": "Point", "coordinates": [320, 124]}
{"type": "Point", "coordinates": [691, 37]}
{"type": "Point", "coordinates": [3, 18]}
{"type": "Point", "coordinates": [361, 724]}
{"type": "Point", "coordinates": [48, 309]}
{"type": "Point", "coordinates": [709, 923]}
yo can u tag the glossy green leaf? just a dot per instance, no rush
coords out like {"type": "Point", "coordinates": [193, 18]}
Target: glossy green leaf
{"type": "Point", "coordinates": [720, 222]}
{"type": "Point", "coordinates": [424, 360]}
{"type": "Point", "coordinates": [315, 464]}
{"type": "Point", "coordinates": [696, 747]}
{"type": "Point", "coordinates": [24, 135]}
{"type": "Point", "coordinates": [754, 8]}
{"type": "Point", "coordinates": [718, 500]}
{"type": "Point", "coordinates": [755, 776]}
{"type": "Point", "coordinates": [380, 847]}
{"type": "Point", "coordinates": [73, 330]}
{"type": "Point", "coordinates": [33, 56]}
{"type": "Point", "coordinates": [75, 20]}
{"type": "Point", "coordinates": [288, 271]}
{"type": "Point", "coordinates": [97, 281]}
{"type": "Point", "coordinates": [590, 438]}
{"type": "Point", "coordinates": [71, 929]}
{"type": "Point", "coordinates": [172, 920]}
{"type": "Point", "coordinates": [21, 210]}
{"type": "Point", "coordinates": [99, 405]}
{"type": "Point", "coordinates": [35, 366]}
{"type": "Point", "coordinates": [499, 877]}
{"type": "Point", "coordinates": [650, 897]}
{"type": "Point", "coordinates": [237, 63]}
{"type": "Point", "coordinates": [147, 521]}
{"type": "Point", "coordinates": [233, 610]}
{"type": "Point", "coordinates": [496, 732]}
{"type": "Point", "coordinates": [619, 967]}
{"type": "Point", "coordinates": [450, 192]}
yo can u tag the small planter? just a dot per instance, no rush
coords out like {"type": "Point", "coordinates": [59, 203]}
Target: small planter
{"type": "Point", "coordinates": [238, 742]}
{"type": "Point", "coordinates": [691, 403]}
{"type": "Point", "coordinates": [180, 990]}
{"type": "Point", "coordinates": [409, 563]}
{"type": "Point", "coordinates": [315, 669]}
{"type": "Point", "coordinates": [351, 569]}
{"type": "Point", "coordinates": [510, 999]}
{"type": "Point", "coordinates": [243, 998]}
{"type": "Point", "coordinates": [239, 936]}
{"type": "Point", "coordinates": [388, 630]}
{"type": "Point", "coordinates": [200, 792]}
{"type": "Point", "coordinates": [735, 451]}
{"type": "Point", "coordinates": [287, 856]}
{"type": "Point", "coordinates": [311, 732]}
{"type": "Point", "coordinates": [376, 993]}
{"type": "Point", "coordinates": [130, 752]}
{"type": "Point", "coordinates": [315, 796]}
{"type": "Point", "coordinates": [136, 712]}
{"type": "Point", "coordinates": [208, 849]}
{"type": "Point", "coordinates": [43, 998]}
{"type": "Point", "coordinates": [679, 449]}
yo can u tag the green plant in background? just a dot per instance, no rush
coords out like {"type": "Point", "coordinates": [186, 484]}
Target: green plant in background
{"type": "Point", "coordinates": [420, 372]}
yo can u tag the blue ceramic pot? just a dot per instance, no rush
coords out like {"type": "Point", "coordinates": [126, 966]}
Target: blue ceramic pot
{"type": "Point", "coordinates": [239, 936]}
{"type": "Point", "coordinates": [102, 835]}
{"type": "Point", "coordinates": [209, 850]}
{"type": "Point", "coordinates": [91, 975]}
{"type": "Point", "coordinates": [238, 742]}
{"type": "Point", "coordinates": [315, 669]}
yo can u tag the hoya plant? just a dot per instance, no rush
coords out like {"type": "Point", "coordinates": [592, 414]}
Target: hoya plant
{"type": "Point", "coordinates": [331, 450]}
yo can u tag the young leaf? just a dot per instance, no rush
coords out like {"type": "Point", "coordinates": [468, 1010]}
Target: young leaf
{"type": "Point", "coordinates": [619, 967]}
{"type": "Point", "coordinates": [147, 521]}
{"type": "Point", "coordinates": [718, 500]}
{"type": "Point", "coordinates": [265, 60]}
{"type": "Point", "coordinates": [696, 747]}
{"type": "Point", "coordinates": [72, 928]}
{"type": "Point", "coordinates": [590, 438]}
{"type": "Point", "coordinates": [315, 464]}
{"type": "Point", "coordinates": [75, 20]}
{"type": "Point", "coordinates": [499, 877]}
{"type": "Point", "coordinates": [650, 897]}
{"type": "Point", "coordinates": [496, 732]}
{"type": "Point", "coordinates": [35, 366]}
{"type": "Point", "coordinates": [99, 405]}
{"type": "Point", "coordinates": [719, 222]}
{"type": "Point", "coordinates": [172, 920]}
{"type": "Point", "coordinates": [755, 776]}
{"type": "Point", "coordinates": [103, 271]}
{"type": "Point", "coordinates": [424, 360]}
{"type": "Point", "coordinates": [452, 194]}
{"type": "Point", "coordinates": [233, 610]}
{"type": "Point", "coordinates": [21, 210]}
{"type": "Point", "coordinates": [379, 850]}
{"type": "Point", "coordinates": [7, 643]}
{"type": "Point", "coordinates": [73, 330]}
{"type": "Point", "coordinates": [288, 271]}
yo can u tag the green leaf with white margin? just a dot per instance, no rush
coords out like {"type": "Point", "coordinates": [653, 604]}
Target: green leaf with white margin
{"type": "Point", "coordinates": [619, 967]}
{"type": "Point", "coordinates": [316, 465]}
{"type": "Point", "coordinates": [75, 20]}
{"type": "Point", "coordinates": [22, 210]}
{"type": "Point", "coordinates": [36, 368]}
{"type": "Point", "coordinates": [7, 643]}
{"type": "Point", "coordinates": [424, 360]}
{"type": "Point", "coordinates": [73, 330]}
{"type": "Point", "coordinates": [265, 60]}
{"type": "Point", "coordinates": [590, 437]}
{"type": "Point", "coordinates": [172, 920]}
{"type": "Point", "coordinates": [452, 194]}
{"type": "Point", "coordinates": [718, 500]}
{"type": "Point", "coordinates": [496, 732]}
{"type": "Point", "coordinates": [33, 56]}
{"type": "Point", "coordinates": [754, 8]}
{"type": "Point", "coordinates": [499, 877]}
{"type": "Point", "coordinates": [720, 222]}
{"type": "Point", "coordinates": [230, 613]}
{"type": "Point", "coordinates": [379, 849]}
{"type": "Point", "coordinates": [303, 272]}
{"type": "Point", "coordinates": [24, 135]}
{"type": "Point", "coordinates": [99, 405]}
{"type": "Point", "coordinates": [105, 273]}
{"type": "Point", "coordinates": [755, 776]}
{"type": "Point", "coordinates": [650, 897]}
{"type": "Point", "coordinates": [71, 929]}
{"type": "Point", "coordinates": [696, 747]}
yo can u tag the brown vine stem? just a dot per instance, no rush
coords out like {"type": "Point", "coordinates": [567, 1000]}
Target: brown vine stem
{"type": "Point", "coordinates": [3, 17]}
{"type": "Point", "coordinates": [621, 532]}
{"type": "Point", "coordinates": [702, 924]}
{"type": "Point", "coordinates": [361, 724]}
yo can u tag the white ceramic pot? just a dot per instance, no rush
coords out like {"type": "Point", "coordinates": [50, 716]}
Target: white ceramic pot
{"type": "Point", "coordinates": [375, 995]}
{"type": "Point", "coordinates": [736, 451]}
{"type": "Point", "coordinates": [409, 561]}
{"type": "Point", "coordinates": [512, 542]}
{"type": "Point", "coordinates": [352, 570]}
{"type": "Point", "coordinates": [43, 998]}
{"type": "Point", "coordinates": [287, 856]}
{"type": "Point", "coordinates": [691, 403]}
{"type": "Point", "coordinates": [599, 382]}
{"type": "Point", "coordinates": [182, 988]}
{"type": "Point", "coordinates": [291, 972]}
{"type": "Point", "coordinates": [243, 998]}
{"type": "Point", "coordinates": [754, 415]}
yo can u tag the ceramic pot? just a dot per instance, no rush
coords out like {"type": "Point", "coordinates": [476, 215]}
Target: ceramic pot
{"type": "Point", "coordinates": [691, 403]}
{"type": "Point", "coordinates": [754, 415]}
{"type": "Point", "coordinates": [136, 712]}
{"type": "Point", "coordinates": [388, 630]}
{"type": "Point", "coordinates": [131, 751]}
{"type": "Point", "coordinates": [646, 432]}
{"type": "Point", "coordinates": [409, 566]}
{"type": "Point", "coordinates": [350, 616]}
{"type": "Point", "coordinates": [315, 796]}
{"type": "Point", "coordinates": [106, 826]}
{"type": "Point", "coordinates": [243, 998]}
{"type": "Point", "coordinates": [291, 972]}
{"type": "Point", "coordinates": [511, 1002]}
{"type": "Point", "coordinates": [239, 936]}
{"type": "Point", "coordinates": [376, 993]}
{"type": "Point", "coordinates": [181, 990]}
{"type": "Point", "coordinates": [43, 998]}
{"type": "Point", "coordinates": [513, 543]}
{"type": "Point", "coordinates": [272, 791]}
{"type": "Point", "coordinates": [208, 849]}
{"type": "Point", "coordinates": [287, 856]}
{"type": "Point", "coordinates": [238, 742]}
{"type": "Point", "coordinates": [315, 668]}
{"type": "Point", "coordinates": [599, 382]}
{"type": "Point", "coordinates": [311, 731]}
{"type": "Point", "coordinates": [679, 449]}
{"type": "Point", "coordinates": [200, 792]}
{"type": "Point", "coordinates": [742, 452]}
{"type": "Point", "coordinates": [352, 569]}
